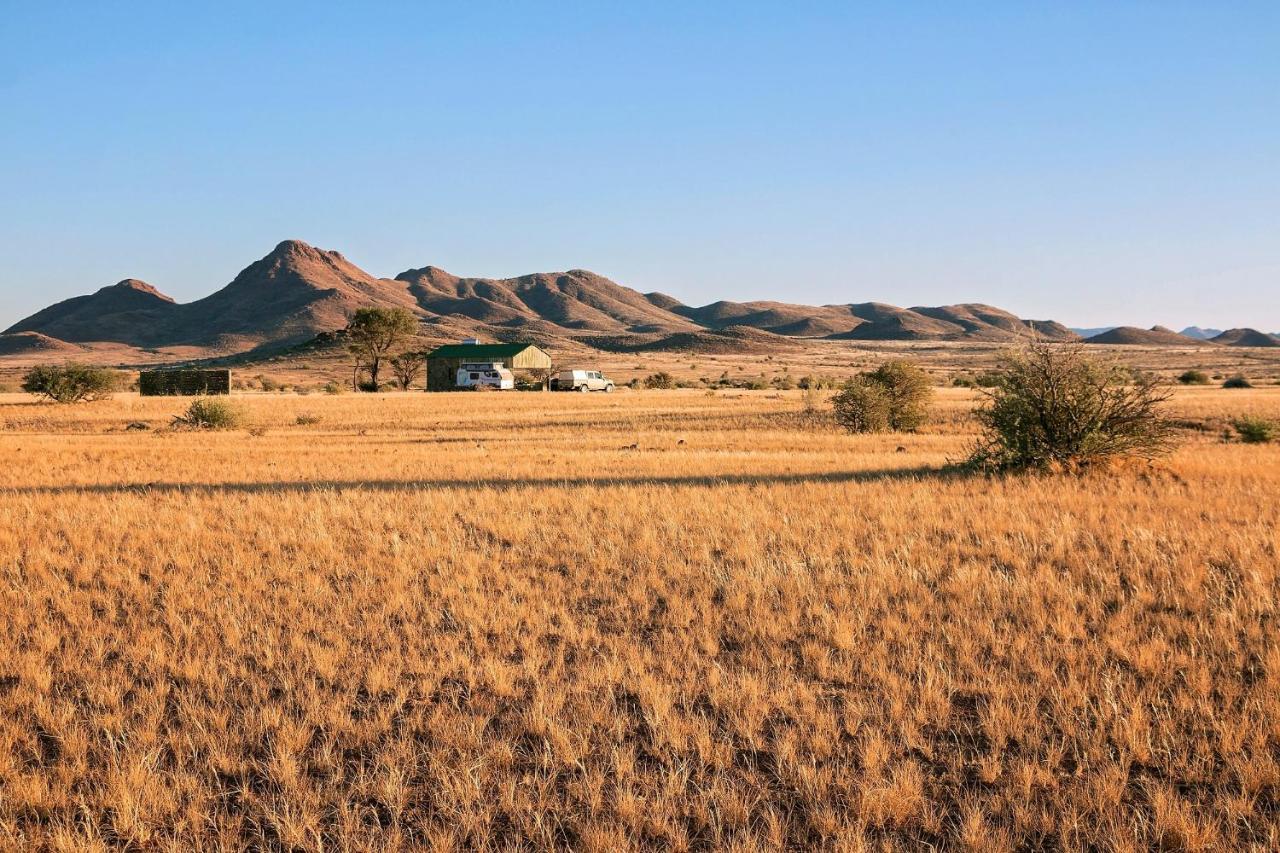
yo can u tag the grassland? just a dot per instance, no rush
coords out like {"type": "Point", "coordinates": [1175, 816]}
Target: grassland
{"type": "Point", "coordinates": [669, 620]}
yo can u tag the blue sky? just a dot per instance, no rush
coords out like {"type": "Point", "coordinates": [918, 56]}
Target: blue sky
{"type": "Point", "coordinates": [1088, 162]}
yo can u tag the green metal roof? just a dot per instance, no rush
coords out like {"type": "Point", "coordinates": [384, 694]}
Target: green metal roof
{"type": "Point", "coordinates": [479, 352]}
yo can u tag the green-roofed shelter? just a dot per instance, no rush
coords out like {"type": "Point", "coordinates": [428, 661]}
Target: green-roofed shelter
{"type": "Point", "coordinates": [520, 358]}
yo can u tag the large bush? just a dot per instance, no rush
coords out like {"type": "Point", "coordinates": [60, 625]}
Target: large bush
{"type": "Point", "coordinates": [1237, 381]}
{"type": "Point", "coordinates": [659, 381]}
{"type": "Point", "coordinates": [894, 396]}
{"type": "Point", "coordinates": [862, 406]}
{"type": "Point", "coordinates": [1058, 406]}
{"type": "Point", "coordinates": [1194, 377]}
{"type": "Point", "coordinates": [70, 383]}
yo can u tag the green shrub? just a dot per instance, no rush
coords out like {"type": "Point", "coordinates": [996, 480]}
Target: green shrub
{"type": "Point", "coordinates": [1058, 406]}
{"type": "Point", "coordinates": [1194, 377]}
{"type": "Point", "coordinates": [1237, 381]}
{"type": "Point", "coordinates": [862, 406]}
{"type": "Point", "coordinates": [208, 413]}
{"type": "Point", "coordinates": [1255, 430]}
{"type": "Point", "coordinates": [909, 390]}
{"type": "Point", "coordinates": [895, 396]}
{"type": "Point", "coordinates": [70, 383]}
{"type": "Point", "coordinates": [659, 381]}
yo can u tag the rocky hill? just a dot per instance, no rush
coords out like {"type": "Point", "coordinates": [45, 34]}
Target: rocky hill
{"type": "Point", "coordinates": [298, 291]}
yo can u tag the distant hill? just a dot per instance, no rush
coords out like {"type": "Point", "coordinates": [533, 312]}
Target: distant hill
{"type": "Point", "coordinates": [130, 312]}
{"type": "Point", "coordinates": [1202, 334]}
{"type": "Point", "coordinates": [1133, 336]}
{"type": "Point", "coordinates": [34, 343]}
{"type": "Point", "coordinates": [297, 292]}
{"type": "Point", "coordinates": [874, 321]}
{"type": "Point", "coordinates": [1246, 338]}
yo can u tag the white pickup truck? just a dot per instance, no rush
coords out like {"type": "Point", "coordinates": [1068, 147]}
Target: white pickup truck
{"type": "Point", "coordinates": [582, 380]}
{"type": "Point", "coordinates": [486, 375]}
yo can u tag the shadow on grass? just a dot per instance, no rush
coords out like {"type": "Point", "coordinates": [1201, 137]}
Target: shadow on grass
{"type": "Point", "coordinates": [495, 484]}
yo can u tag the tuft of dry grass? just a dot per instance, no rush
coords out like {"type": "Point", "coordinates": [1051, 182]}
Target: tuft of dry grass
{"type": "Point", "coordinates": [659, 620]}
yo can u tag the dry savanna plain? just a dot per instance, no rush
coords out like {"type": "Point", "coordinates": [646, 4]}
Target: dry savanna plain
{"type": "Point", "coordinates": [667, 620]}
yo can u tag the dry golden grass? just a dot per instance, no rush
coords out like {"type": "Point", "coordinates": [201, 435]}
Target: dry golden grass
{"type": "Point", "coordinates": [661, 620]}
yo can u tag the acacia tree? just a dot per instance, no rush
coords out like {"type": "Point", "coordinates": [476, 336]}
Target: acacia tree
{"type": "Point", "coordinates": [407, 366]}
{"type": "Point", "coordinates": [373, 333]}
{"type": "Point", "coordinates": [70, 383]}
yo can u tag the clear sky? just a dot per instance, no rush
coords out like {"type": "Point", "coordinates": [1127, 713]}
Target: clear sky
{"type": "Point", "coordinates": [1092, 162]}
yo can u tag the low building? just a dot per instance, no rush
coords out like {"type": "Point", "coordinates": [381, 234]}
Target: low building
{"type": "Point", "coordinates": [181, 382]}
{"type": "Point", "coordinates": [526, 361]}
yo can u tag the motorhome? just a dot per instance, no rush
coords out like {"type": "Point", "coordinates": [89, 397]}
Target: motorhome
{"type": "Point", "coordinates": [487, 374]}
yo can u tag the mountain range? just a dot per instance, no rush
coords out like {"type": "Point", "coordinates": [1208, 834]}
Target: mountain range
{"type": "Point", "coordinates": [297, 292]}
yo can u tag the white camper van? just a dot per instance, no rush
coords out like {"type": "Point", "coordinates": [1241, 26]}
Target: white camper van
{"type": "Point", "coordinates": [582, 380]}
{"type": "Point", "coordinates": [486, 375]}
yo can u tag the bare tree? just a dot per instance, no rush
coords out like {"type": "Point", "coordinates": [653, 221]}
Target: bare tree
{"type": "Point", "coordinates": [407, 367]}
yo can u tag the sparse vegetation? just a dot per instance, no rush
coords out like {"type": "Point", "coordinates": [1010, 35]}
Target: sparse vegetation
{"type": "Point", "coordinates": [209, 413]}
{"type": "Point", "coordinates": [895, 396]}
{"type": "Point", "coordinates": [1058, 406]}
{"type": "Point", "coordinates": [70, 383]}
{"type": "Point", "coordinates": [216, 641]}
{"type": "Point", "coordinates": [1255, 430]}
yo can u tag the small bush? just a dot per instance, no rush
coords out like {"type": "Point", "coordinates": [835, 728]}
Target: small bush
{"type": "Point", "coordinates": [208, 413]}
{"type": "Point", "coordinates": [1255, 430]}
{"type": "Point", "coordinates": [659, 381]}
{"type": "Point", "coordinates": [1237, 381]}
{"type": "Point", "coordinates": [70, 383]}
{"type": "Point", "coordinates": [817, 383]}
{"type": "Point", "coordinates": [1058, 406]}
{"type": "Point", "coordinates": [1194, 377]}
{"type": "Point", "coordinates": [307, 419]}
{"type": "Point", "coordinates": [862, 406]}
{"type": "Point", "coordinates": [332, 387]}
